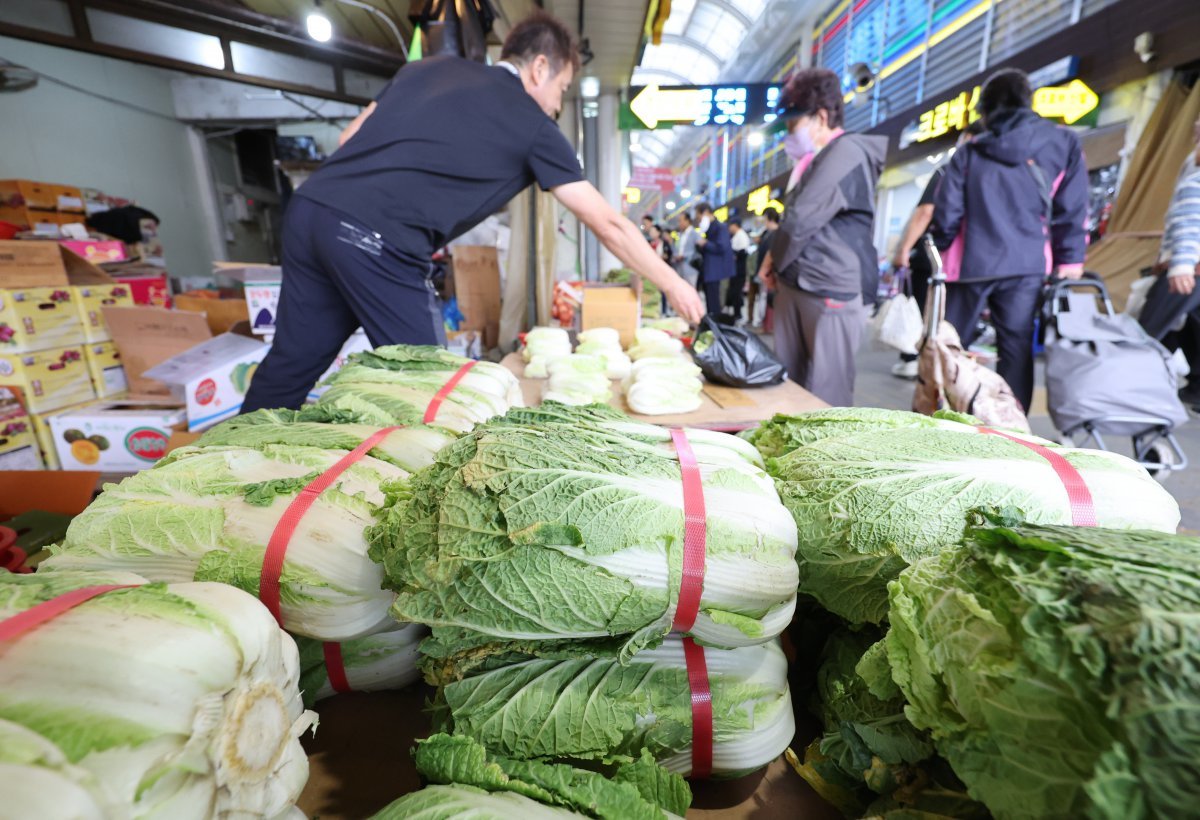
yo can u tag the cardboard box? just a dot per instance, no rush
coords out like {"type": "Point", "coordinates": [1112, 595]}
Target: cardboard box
{"type": "Point", "coordinates": [615, 306]}
{"type": "Point", "coordinates": [96, 251]}
{"type": "Point", "coordinates": [19, 446]}
{"type": "Point", "coordinates": [38, 319]}
{"type": "Point", "coordinates": [261, 285]}
{"type": "Point", "coordinates": [148, 287]}
{"type": "Point", "coordinates": [24, 193]}
{"type": "Point", "coordinates": [45, 439]}
{"type": "Point", "coordinates": [49, 379]}
{"type": "Point", "coordinates": [147, 336]}
{"type": "Point", "coordinates": [68, 198]}
{"type": "Point", "coordinates": [477, 286]}
{"type": "Point", "coordinates": [212, 377]}
{"type": "Point", "coordinates": [222, 314]}
{"type": "Point", "coordinates": [114, 437]}
{"type": "Point", "coordinates": [357, 343]}
{"type": "Point", "coordinates": [90, 300]}
{"type": "Point", "coordinates": [40, 264]}
{"type": "Point", "coordinates": [106, 370]}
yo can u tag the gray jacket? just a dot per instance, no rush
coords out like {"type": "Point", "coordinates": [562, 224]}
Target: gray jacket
{"type": "Point", "coordinates": [825, 245]}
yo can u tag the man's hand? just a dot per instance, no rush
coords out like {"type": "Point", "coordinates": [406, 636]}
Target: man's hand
{"type": "Point", "coordinates": [900, 261]}
{"type": "Point", "coordinates": [1069, 271]}
{"type": "Point", "coordinates": [766, 272]}
{"type": "Point", "coordinates": [685, 301]}
{"type": "Point", "coordinates": [1182, 285]}
{"type": "Point", "coordinates": [701, 240]}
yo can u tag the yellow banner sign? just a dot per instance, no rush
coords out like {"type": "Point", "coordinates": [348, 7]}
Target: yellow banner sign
{"type": "Point", "coordinates": [1069, 103]}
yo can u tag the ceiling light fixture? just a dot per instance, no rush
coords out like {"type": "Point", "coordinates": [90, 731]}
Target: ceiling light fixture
{"type": "Point", "coordinates": [318, 25]}
{"type": "Point", "coordinates": [685, 193]}
{"type": "Point", "coordinates": [755, 139]}
{"type": "Point", "coordinates": [589, 87]}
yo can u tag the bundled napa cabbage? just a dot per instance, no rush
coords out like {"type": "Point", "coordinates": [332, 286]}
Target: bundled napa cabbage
{"type": "Point", "coordinates": [869, 502]}
{"type": "Point", "coordinates": [578, 379]}
{"type": "Point", "coordinates": [649, 343]}
{"type": "Point", "coordinates": [1058, 668]}
{"type": "Point", "coordinates": [605, 342]}
{"type": "Point", "coordinates": [784, 432]}
{"type": "Point", "coordinates": [579, 702]}
{"type": "Point", "coordinates": [375, 663]}
{"type": "Point", "coordinates": [463, 769]}
{"type": "Point", "coordinates": [564, 523]}
{"type": "Point", "coordinates": [661, 386]}
{"type": "Point", "coordinates": [207, 514]}
{"type": "Point", "coordinates": [395, 385]}
{"type": "Point", "coordinates": [159, 701]}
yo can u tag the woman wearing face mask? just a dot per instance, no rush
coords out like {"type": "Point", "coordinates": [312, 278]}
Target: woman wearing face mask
{"type": "Point", "coordinates": [822, 259]}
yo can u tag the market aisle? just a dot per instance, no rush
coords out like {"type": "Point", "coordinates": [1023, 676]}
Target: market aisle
{"type": "Point", "coordinates": [876, 387]}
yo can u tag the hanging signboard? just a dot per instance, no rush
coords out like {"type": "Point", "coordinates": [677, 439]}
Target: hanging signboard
{"type": "Point", "coordinates": [654, 106]}
{"type": "Point", "coordinates": [648, 178]}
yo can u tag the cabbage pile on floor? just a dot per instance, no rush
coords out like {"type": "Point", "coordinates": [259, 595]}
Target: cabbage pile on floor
{"type": "Point", "coordinates": [166, 701]}
{"type": "Point", "coordinates": [467, 781]}
{"type": "Point", "coordinates": [545, 551]}
{"type": "Point", "coordinates": [1057, 669]}
{"type": "Point", "coordinates": [206, 513]}
{"type": "Point", "coordinates": [395, 384]}
{"type": "Point", "coordinates": [871, 491]}
{"type": "Point", "coordinates": [589, 503]}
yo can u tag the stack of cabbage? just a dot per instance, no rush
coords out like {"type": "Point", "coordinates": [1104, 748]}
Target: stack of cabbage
{"type": "Point", "coordinates": [467, 781]}
{"type": "Point", "coordinates": [605, 342]}
{"type": "Point", "coordinates": [542, 346]}
{"type": "Point", "coordinates": [206, 513]}
{"type": "Point", "coordinates": [164, 701]}
{"type": "Point", "coordinates": [545, 550]}
{"type": "Point", "coordinates": [871, 491]}
{"type": "Point", "coordinates": [650, 342]}
{"type": "Point", "coordinates": [394, 385]}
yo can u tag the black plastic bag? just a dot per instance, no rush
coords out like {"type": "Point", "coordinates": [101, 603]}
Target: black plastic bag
{"type": "Point", "coordinates": [735, 356]}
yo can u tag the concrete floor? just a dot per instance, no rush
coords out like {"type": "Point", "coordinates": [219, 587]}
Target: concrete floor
{"type": "Point", "coordinates": [876, 387]}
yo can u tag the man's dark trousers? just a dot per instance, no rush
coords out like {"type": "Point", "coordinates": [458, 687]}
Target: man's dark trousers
{"type": "Point", "coordinates": [339, 275]}
{"type": "Point", "coordinates": [1013, 302]}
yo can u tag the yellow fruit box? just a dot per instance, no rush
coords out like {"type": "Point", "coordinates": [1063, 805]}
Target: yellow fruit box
{"type": "Point", "coordinates": [115, 437]}
{"type": "Point", "coordinates": [18, 445]}
{"type": "Point", "coordinates": [38, 319]}
{"type": "Point", "coordinates": [90, 301]}
{"type": "Point", "coordinates": [104, 366]}
{"type": "Point", "coordinates": [49, 379]}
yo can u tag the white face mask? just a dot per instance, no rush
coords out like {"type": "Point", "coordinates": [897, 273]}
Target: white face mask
{"type": "Point", "coordinates": [704, 223]}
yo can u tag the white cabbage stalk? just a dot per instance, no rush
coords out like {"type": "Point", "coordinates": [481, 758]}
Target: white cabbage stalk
{"type": "Point", "coordinates": [652, 343]}
{"type": "Point", "coordinates": [39, 781]}
{"type": "Point", "coordinates": [207, 514]}
{"type": "Point", "coordinates": [376, 663]}
{"type": "Point", "coordinates": [539, 366]}
{"type": "Point", "coordinates": [546, 341]}
{"type": "Point", "coordinates": [603, 336]}
{"type": "Point", "coordinates": [607, 347]}
{"type": "Point", "coordinates": [660, 386]}
{"type": "Point", "coordinates": [674, 325]}
{"type": "Point", "coordinates": [181, 701]}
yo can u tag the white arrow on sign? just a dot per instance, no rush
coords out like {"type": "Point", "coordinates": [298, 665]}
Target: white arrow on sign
{"type": "Point", "coordinates": [653, 105]}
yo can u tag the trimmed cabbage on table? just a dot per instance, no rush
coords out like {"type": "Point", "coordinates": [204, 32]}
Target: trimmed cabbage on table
{"type": "Point", "coordinates": [396, 383]}
{"type": "Point", "coordinates": [1057, 668]}
{"type": "Point", "coordinates": [579, 702]}
{"type": "Point", "coordinates": [871, 491]}
{"type": "Point", "coordinates": [159, 701]}
{"type": "Point", "coordinates": [590, 504]}
{"type": "Point", "coordinates": [207, 513]}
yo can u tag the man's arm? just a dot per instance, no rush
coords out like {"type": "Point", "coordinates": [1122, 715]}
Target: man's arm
{"type": "Point", "coordinates": [353, 127]}
{"type": "Point", "coordinates": [1181, 245]}
{"type": "Point", "coordinates": [626, 242]}
{"type": "Point", "coordinates": [918, 223]}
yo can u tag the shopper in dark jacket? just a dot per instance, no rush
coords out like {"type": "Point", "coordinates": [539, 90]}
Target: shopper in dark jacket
{"type": "Point", "coordinates": [717, 253]}
{"type": "Point", "coordinates": [822, 259]}
{"type": "Point", "coordinates": [1017, 197]}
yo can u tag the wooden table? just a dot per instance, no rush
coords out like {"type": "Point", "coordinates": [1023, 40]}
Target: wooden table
{"type": "Point", "coordinates": [722, 408]}
{"type": "Point", "coordinates": [359, 762]}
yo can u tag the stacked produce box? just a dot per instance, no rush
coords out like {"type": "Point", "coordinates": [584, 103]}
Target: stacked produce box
{"type": "Point", "coordinates": [986, 624]}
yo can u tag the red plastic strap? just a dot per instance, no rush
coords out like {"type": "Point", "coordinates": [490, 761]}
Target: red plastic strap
{"type": "Point", "coordinates": [335, 668]}
{"type": "Point", "coordinates": [691, 585]}
{"type": "Point", "coordinates": [17, 625]}
{"type": "Point", "coordinates": [12, 557]}
{"type": "Point", "coordinates": [436, 403]}
{"type": "Point", "coordinates": [1083, 511]}
{"type": "Point", "coordinates": [702, 709]}
{"type": "Point", "coordinates": [272, 567]}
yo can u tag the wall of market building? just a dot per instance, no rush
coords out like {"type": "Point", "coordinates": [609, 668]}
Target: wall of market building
{"type": "Point", "coordinates": [150, 154]}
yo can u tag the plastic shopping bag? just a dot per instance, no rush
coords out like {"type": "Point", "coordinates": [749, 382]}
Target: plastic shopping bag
{"type": "Point", "coordinates": [898, 324]}
{"type": "Point", "coordinates": [735, 356]}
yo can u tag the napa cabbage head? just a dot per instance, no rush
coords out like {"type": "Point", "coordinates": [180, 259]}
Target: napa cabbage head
{"type": "Point", "coordinates": [868, 504]}
{"type": "Point", "coordinates": [1057, 668]}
